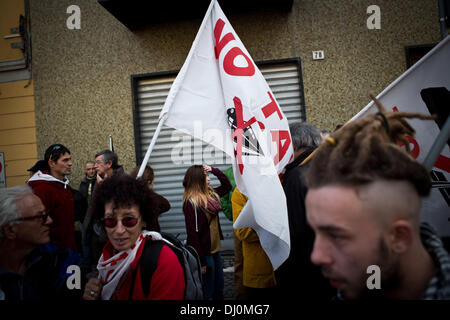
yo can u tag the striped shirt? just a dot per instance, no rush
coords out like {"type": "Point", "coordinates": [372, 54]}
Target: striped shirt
{"type": "Point", "coordinates": [439, 286]}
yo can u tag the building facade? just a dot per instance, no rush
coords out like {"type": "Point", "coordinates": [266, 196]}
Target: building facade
{"type": "Point", "coordinates": [94, 74]}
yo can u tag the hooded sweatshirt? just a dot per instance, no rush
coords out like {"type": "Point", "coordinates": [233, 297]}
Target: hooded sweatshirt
{"type": "Point", "coordinates": [57, 198]}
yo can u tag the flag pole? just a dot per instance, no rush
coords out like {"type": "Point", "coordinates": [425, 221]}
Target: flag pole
{"type": "Point", "coordinates": [111, 146]}
{"type": "Point", "coordinates": [437, 146]}
{"type": "Point", "coordinates": [150, 147]}
{"type": "Point", "coordinates": [442, 24]}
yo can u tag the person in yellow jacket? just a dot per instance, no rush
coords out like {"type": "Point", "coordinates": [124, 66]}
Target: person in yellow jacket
{"type": "Point", "coordinates": [258, 275]}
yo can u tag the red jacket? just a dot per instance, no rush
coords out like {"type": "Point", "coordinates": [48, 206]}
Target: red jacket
{"type": "Point", "coordinates": [58, 201]}
{"type": "Point", "coordinates": [167, 281]}
{"type": "Point", "coordinates": [197, 226]}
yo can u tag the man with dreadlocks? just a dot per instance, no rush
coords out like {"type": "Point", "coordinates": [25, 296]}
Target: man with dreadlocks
{"type": "Point", "coordinates": [364, 203]}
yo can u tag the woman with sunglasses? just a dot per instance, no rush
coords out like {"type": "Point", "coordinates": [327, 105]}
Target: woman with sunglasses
{"type": "Point", "coordinates": [124, 206]}
{"type": "Point", "coordinates": [201, 206]}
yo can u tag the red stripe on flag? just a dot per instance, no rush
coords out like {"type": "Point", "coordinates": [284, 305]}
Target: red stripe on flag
{"type": "Point", "coordinates": [443, 163]}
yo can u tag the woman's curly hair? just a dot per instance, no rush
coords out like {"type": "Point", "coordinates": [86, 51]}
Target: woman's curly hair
{"type": "Point", "coordinates": [125, 191]}
{"type": "Point", "coordinates": [366, 150]}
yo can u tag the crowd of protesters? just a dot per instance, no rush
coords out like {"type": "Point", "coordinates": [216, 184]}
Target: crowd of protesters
{"type": "Point", "coordinates": [338, 225]}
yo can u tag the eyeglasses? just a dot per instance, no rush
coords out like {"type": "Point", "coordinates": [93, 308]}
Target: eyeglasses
{"type": "Point", "coordinates": [43, 217]}
{"type": "Point", "coordinates": [54, 148]}
{"type": "Point", "coordinates": [127, 222]}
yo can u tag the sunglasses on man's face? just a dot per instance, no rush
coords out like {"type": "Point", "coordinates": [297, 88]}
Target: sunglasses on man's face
{"type": "Point", "coordinates": [43, 218]}
{"type": "Point", "coordinates": [127, 222]}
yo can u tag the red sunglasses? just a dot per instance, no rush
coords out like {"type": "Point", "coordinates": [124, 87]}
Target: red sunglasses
{"type": "Point", "coordinates": [127, 222]}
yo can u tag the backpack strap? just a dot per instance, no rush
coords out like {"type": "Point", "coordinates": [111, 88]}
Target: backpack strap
{"type": "Point", "coordinates": [147, 265]}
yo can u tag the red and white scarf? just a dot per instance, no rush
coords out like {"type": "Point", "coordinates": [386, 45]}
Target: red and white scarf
{"type": "Point", "coordinates": [112, 269]}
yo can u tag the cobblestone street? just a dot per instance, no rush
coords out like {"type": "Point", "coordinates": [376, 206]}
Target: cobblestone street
{"type": "Point", "coordinates": [228, 262]}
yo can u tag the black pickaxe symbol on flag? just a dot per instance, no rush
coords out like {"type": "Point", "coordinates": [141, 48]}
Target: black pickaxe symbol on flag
{"type": "Point", "coordinates": [243, 132]}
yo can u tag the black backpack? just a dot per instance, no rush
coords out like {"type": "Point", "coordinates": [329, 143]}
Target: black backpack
{"type": "Point", "coordinates": [188, 258]}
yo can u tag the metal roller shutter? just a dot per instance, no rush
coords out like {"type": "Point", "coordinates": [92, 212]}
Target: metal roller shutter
{"type": "Point", "coordinates": [174, 151]}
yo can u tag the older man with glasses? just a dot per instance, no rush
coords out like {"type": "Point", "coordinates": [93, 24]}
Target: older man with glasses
{"type": "Point", "coordinates": [30, 267]}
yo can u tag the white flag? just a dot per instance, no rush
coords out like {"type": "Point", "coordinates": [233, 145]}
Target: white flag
{"type": "Point", "coordinates": [428, 80]}
{"type": "Point", "coordinates": [220, 89]}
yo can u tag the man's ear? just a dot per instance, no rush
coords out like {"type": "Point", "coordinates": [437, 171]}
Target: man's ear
{"type": "Point", "coordinates": [51, 164]}
{"type": "Point", "coordinates": [401, 235]}
{"type": "Point", "coordinates": [9, 231]}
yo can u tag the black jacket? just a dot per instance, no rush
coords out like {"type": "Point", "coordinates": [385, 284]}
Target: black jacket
{"type": "Point", "coordinates": [84, 186]}
{"type": "Point", "coordinates": [79, 205]}
{"type": "Point", "coordinates": [298, 274]}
